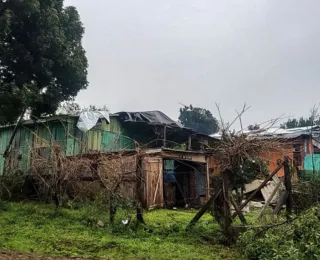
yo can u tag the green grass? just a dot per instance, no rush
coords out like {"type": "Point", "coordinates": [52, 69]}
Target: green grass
{"type": "Point", "coordinates": [30, 227]}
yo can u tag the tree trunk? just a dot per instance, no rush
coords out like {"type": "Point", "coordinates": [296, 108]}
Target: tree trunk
{"type": "Point", "coordinates": [288, 184]}
{"type": "Point", "coordinates": [112, 209]}
{"type": "Point", "coordinates": [227, 219]}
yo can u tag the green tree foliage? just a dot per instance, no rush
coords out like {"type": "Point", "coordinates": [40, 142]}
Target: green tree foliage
{"type": "Point", "coordinates": [293, 123]}
{"type": "Point", "coordinates": [249, 171]}
{"type": "Point", "coordinates": [68, 108]}
{"type": "Point", "coordinates": [198, 119]}
{"type": "Point", "coordinates": [72, 108]}
{"type": "Point", "coordinates": [42, 61]}
{"type": "Point", "coordinates": [253, 127]}
{"type": "Point", "coordinates": [311, 120]}
{"type": "Point", "coordinates": [298, 239]}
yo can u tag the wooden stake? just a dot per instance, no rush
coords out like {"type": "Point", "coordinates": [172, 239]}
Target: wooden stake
{"type": "Point", "coordinates": [288, 185]}
{"type": "Point", "coordinates": [236, 208]}
{"type": "Point", "coordinates": [227, 218]}
{"type": "Point", "coordinates": [281, 202]}
{"type": "Point", "coordinates": [203, 210]}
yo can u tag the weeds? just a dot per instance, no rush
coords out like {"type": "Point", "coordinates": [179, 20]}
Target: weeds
{"type": "Point", "coordinates": [299, 239]}
{"type": "Point", "coordinates": [38, 228]}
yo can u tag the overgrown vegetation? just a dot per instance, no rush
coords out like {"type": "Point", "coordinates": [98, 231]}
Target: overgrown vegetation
{"type": "Point", "coordinates": [311, 120]}
{"type": "Point", "coordinates": [84, 230]}
{"type": "Point", "coordinates": [296, 239]}
{"type": "Point", "coordinates": [307, 193]}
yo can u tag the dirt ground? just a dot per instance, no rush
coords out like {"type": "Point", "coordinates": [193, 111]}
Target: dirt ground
{"type": "Point", "coordinates": [22, 256]}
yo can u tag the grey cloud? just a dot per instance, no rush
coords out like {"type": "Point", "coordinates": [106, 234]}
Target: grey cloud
{"type": "Point", "coordinates": [153, 54]}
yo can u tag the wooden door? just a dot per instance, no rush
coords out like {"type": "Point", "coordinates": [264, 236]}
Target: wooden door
{"type": "Point", "coordinates": [153, 173]}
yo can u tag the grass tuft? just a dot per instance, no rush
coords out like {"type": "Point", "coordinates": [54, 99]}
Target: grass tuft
{"type": "Point", "coordinates": [38, 228]}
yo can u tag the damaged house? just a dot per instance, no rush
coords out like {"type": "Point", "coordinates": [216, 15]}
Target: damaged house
{"type": "Point", "coordinates": [300, 144]}
{"type": "Point", "coordinates": [167, 162]}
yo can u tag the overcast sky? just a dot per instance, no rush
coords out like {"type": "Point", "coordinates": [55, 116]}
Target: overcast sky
{"type": "Point", "coordinates": [153, 54]}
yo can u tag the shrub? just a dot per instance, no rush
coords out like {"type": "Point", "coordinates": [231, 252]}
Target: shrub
{"type": "Point", "coordinates": [11, 185]}
{"type": "Point", "coordinates": [307, 193]}
{"type": "Point", "coordinates": [297, 240]}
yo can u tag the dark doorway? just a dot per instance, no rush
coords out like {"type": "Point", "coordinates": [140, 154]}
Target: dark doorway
{"type": "Point", "coordinates": [185, 183]}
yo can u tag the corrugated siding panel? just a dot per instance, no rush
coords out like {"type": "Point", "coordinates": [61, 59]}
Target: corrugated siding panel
{"type": "Point", "coordinates": [115, 142]}
{"type": "Point", "coordinates": [19, 158]}
{"type": "Point", "coordinates": [114, 126]}
{"type": "Point", "coordinates": [3, 145]}
{"type": "Point", "coordinates": [312, 162]}
{"type": "Point", "coordinates": [104, 137]}
{"type": "Point", "coordinates": [25, 162]}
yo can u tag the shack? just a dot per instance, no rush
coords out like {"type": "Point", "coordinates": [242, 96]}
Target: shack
{"type": "Point", "coordinates": [300, 144]}
{"type": "Point", "coordinates": [166, 161]}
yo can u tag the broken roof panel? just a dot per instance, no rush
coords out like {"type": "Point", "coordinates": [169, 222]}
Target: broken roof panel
{"type": "Point", "coordinates": [155, 118]}
{"type": "Point", "coordinates": [277, 132]}
{"type": "Point", "coordinates": [150, 117]}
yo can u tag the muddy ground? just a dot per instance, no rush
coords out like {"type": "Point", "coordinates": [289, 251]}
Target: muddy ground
{"type": "Point", "coordinates": [4, 255]}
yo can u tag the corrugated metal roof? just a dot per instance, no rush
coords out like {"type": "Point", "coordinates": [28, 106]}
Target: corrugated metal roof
{"type": "Point", "coordinates": [277, 132]}
{"type": "Point", "coordinates": [49, 119]}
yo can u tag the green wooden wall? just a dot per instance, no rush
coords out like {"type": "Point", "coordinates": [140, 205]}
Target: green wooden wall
{"type": "Point", "coordinates": [104, 137]}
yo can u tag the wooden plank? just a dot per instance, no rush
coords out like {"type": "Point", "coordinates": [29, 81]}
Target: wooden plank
{"type": "Point", "coordinates": [186, 156]}
{"type": "Point", "coordinates": [259, 188]}
{"type": "Point", "coordinates": [264, 193]}
{"type": "Point", "coordinates": [152, 166]}
{"type": "Point", "coordinates": [236, 208]}
{"type": "Point", "coordinates": [276, 189]}
{"type": "Point", "coordinates": [252, 186]}
{"type": "Point", "coordinates": [288, 185]}
{"type": "Point", "coordinates": [281, 202]}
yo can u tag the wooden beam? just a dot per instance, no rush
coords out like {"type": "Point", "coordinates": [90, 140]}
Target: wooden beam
{"type": "Point", "coordinates": [270, 199]}
{"type": "Point", "coordinates": [227, 192]}
{"type": "Point", "coordinates": [203, 210]}
{"type": "Point", "coordinates": [236, 208]}
{"type": "Point", "coordinates": [282, 200]}
{"type": "Point", "coordinates": [165, 136]}
{"type": "Point", "coordinates": [288, 185]}
{"type": "Point", "coordinates": [189, 142]}
{"type": "Point", "coordinates": [259, 188]}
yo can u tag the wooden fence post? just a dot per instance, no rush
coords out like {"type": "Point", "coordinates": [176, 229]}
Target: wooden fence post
{"type": "Point", "coordinates": [203, 210]}
{"type": "Point", "coordinates": [227, 219]}
{"type": "Point", "coordinates": [288, 185]}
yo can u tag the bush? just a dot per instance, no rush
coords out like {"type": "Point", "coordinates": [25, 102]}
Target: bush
{"type": "Point", "coordinates": [297, 240]}
{"type": "Point", "coordinates": [11, 185]}
{"type": "Point", "coordinates": [307, 193]}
